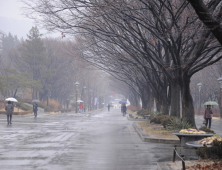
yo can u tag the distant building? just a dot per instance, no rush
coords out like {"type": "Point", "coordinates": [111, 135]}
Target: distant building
{"type": "Point", "coordinates": [2, 34]}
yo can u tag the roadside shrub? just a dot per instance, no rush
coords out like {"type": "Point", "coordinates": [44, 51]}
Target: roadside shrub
{"type": "Point", "coordinates": [23, 106]}
{"type": "Point", "coordinates": [143, 112]}
{"type": "Point", "coordinates": [166, 121]}
{"type": "Point", "coordinates": [158, 119]}
{"type": "Point", "coordinates": [53, 105]}
{"type": "Point", "coordinates": [46, 108]}
{"type": "Point", "coordinates": [214, 152]}
{"type": "Point", "coordinates": [154, 114]}
{"type": "Point", "coordinates": [140, 111]}
{"type": "Point", "coordinates": [207, 130]}
{"type": "Point", "coordinates": [178, 124]}
{"type": "Point", "coordinates": [2, 105]}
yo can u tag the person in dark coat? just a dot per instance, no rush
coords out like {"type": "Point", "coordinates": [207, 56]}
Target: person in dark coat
{"type": "Point", "coordinates": [108, 107]}
{"type": "Point", "coordinates": [35, 109]}
{"type": "Point", "coordinates": [124, 109]}
{"type": "Point", "coordinates": [9, 111]}
{"type": "Point", "coordinates": [208, 115]}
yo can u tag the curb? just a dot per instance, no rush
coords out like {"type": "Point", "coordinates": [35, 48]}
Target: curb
{"type": "Point", "coordinates": [132, 119]}
{"type": "Point", "coordinates": [165, 166]}
{"type": "Point", "coordinates": [146, 138]}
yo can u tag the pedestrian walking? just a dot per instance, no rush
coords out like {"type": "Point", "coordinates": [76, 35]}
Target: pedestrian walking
{"type": "Point", "coordinates": [124, 109]}
{"type": "Point", "coordinates": [208, 115]}
{"type": "Point", "coordinates": [80, 107]}
{"type": "Point", "coordinates": [9, 111]}
{"type": "Point", "coordinates": [35, 109]}
{"type": "Point", "coordinates": [108, 107]}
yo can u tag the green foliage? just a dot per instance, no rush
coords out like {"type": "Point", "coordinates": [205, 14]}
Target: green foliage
{"type": "Point", "coordinates": [9, 42]}
{"type": "Point", "coordinates": [154, 114]}
{"type": "Point", "coordinates": [13, 80]}
{"type": "Point", "coordinates": [23, 106]}
{"type": "Point", "coordinates": [212, 152]}
{"type": "Point", "coordinates": [143, 112]}
{"type": "Point", "coordinates": [207, 130]}
{"type": "Point", "coordinates": [161, 119]}
{"type": "Point", "coordinates": [166, 121]}
{"type": "Point", "coordinates": [178, 124]}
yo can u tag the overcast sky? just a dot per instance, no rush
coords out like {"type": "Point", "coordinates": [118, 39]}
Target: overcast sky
{"type": "Point", "coordinates": [12, 20]}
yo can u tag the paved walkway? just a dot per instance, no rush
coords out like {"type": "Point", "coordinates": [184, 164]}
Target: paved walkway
{"type": "Point", "coordinates": [216, 124]}
{"type": "Point", "coordinates": [99, 141]}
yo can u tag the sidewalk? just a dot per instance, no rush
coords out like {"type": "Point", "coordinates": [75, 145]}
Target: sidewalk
{"type": "Point", "coordinates": [216, 124]}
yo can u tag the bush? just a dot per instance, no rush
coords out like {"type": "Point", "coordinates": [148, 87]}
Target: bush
{"type": "Point", "coordinates": [53, 105]}
{"type": "Point", "coordinates": [212, 152]}
{"type": "Point", "coordinates": [207, 130]}
{"type": "Point", "coordinates": [140, 111]}
{"type": "Point", "coordinates": [23, 106]}
{"type": "Point", "coordinates": [154, 114]}
{"type": "Point", "coordinates": [143, 112]}
{"type": "Point", "coordinates": [159, 119]}
{"type": "Point", "coordinates": [166, 121]}
{"type": "Point", "coordinates": [178, 124]}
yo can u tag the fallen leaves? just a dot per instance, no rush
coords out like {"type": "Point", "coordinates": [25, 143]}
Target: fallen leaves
{"type": "Point", "coordinates": [206, 166]}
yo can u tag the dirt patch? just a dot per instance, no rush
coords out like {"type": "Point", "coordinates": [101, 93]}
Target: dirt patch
{"type": "Point", "coordinates": [156, 131]}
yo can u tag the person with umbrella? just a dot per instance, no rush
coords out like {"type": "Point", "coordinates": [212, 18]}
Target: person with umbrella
{"type": "Point", "coordinates": [208, 115]}
{"type": "Point", "coordinates": [9, 111]}
{"type": "Point", "coordinates": [124, 109]}
{"type": "Point", "coordinates": [35, 109]}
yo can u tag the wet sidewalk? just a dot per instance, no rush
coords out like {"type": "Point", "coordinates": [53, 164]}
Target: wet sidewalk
{"type": "Point", "coordinates": [68, 141]}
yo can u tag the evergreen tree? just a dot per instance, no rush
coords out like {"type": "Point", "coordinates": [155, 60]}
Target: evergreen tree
{"type": "Point", "coordinates": [33, 57]}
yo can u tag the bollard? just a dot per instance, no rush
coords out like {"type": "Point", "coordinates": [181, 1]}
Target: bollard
{"type": "Point", "coordinates": [174, 153]}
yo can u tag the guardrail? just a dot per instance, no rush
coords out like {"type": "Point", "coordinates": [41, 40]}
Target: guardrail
{"type": "Point", "coordinates": [174, 157]}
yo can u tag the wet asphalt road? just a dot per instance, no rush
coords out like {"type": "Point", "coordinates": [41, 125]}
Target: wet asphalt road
{"type": "Point", "coordinates": [100, 141]}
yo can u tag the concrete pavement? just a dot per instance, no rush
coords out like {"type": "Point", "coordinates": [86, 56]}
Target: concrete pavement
{"type": "Point", "coordinates": [100, 141]}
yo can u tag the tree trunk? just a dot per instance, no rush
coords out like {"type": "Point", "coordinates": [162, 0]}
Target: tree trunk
{"type": "Point", "coordinates": [187, 102]}
{"type": "Point", "coordinates": [151, 101]}
{"type": "Point", "coordinates": [138, 102]}
{"type": "Point", "coordinates": [15, 92]}
{"type": "Point", "coordinates": [220, 103]}
{"type": "Point", "coordinates": [165, 108]}
{"type": "Point", "coordinates": [175, 98]}
{"type": "Point", "coordinates": [144, 103]}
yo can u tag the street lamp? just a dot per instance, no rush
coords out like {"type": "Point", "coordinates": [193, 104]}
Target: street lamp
{"type": "Point", "coordinates": [220, 104]}
{"type": "Point", "coordinates": [77, 84]}
{"type": "Point", "coordinates": [199, 86]}
{"type": "Point", "coordinates": [84, 98]}
{"type": "Point", "coordinates": [67, 103]}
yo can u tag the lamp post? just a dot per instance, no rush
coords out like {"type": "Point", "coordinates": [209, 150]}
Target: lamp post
{"type": "Point", "coordinates": [90, 100]}
{"type": "Point", "coordinates": [67, 104]}
{"type": "Point", "coordinates": [84, 98]}
{"type": "Point", "coordinates": [220, 104]}
{"type": "Point", "coordinates": [77, 84]}
{"type": "Point", "coordinates": [199, 86]}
